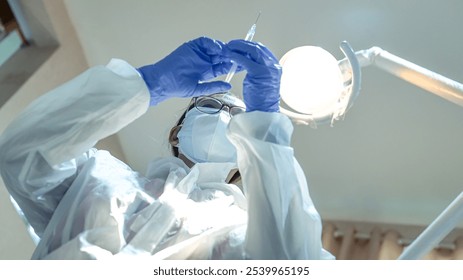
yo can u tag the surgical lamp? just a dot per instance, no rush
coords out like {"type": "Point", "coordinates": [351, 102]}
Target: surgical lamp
{"type": "Point", "coordinates": [321, 89]}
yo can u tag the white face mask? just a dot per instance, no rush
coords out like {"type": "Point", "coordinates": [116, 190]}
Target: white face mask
{"type": "Point", "coordinates": [202, 137]}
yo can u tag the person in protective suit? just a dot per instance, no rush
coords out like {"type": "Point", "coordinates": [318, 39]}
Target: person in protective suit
{"type": "Point", "coordinates": [234, 190]}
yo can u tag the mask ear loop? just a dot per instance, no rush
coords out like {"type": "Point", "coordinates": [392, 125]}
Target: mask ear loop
{"type": "Point", "coordinates": [173, 139]}
{"type": "Point", "coordinates": [173, 135]}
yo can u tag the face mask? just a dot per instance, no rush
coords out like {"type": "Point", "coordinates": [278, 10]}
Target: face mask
{"type": "Point", "coordinates": [202, 137]}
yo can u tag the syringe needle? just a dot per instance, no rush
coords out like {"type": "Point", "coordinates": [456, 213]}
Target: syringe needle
{"type": "Point", "coordinates": [248, 37]}
{"type": "Point", "coordinates": [257, 17]}
{"type": "Point", "coordinates": [252, 30]}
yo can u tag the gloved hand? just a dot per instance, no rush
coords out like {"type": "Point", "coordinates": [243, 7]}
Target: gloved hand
{"type": "Point", "coordinates": [261, 86]}
{"type": "Point", "coordinates": [181, 73]}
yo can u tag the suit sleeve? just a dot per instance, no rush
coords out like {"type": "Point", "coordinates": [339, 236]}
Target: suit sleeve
{"type": "Point", "coordinates": [43, 149]}
{"type": "Point", "coordinates": [282, 220]}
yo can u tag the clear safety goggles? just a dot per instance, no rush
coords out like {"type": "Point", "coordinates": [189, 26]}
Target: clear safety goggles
{"type": "Point", "coordinates": [215, 103]}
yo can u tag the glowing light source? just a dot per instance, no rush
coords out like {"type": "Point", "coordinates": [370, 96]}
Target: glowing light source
{"type": "Point", "coordinates": [311, 82]}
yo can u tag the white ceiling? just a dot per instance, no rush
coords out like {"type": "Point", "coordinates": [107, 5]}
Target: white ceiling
{"type": "Point", "coordinates": [396, 158]}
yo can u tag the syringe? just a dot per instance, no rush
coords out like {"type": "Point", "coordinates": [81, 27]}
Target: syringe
{"type": "Point", "coordinates": [248, 37]}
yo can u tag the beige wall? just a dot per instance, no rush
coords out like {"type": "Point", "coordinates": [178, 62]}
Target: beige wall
{"type": "Point", "coordinates": [66, 62]}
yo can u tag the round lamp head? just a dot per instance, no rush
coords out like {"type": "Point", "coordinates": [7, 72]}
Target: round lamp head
{"type": "Point", "coordinates": [311, 82]}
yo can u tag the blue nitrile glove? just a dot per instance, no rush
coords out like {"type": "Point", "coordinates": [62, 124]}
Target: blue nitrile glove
{"type": "Point", "coordinates": [261, 86]}
{"type": "Point", "coordinates": [183, 72]}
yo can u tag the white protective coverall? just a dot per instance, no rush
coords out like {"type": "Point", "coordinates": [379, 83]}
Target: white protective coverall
{"type": "Point", "coordinates": [85, 204]}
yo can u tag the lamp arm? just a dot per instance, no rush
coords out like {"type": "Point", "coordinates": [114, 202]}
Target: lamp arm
{"type": "Point", "coordinates": [445, 88]}
{"type": "Point", "coordinates": [412, 73]}
{"type": "Point", "coordinates": [436, 231]}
